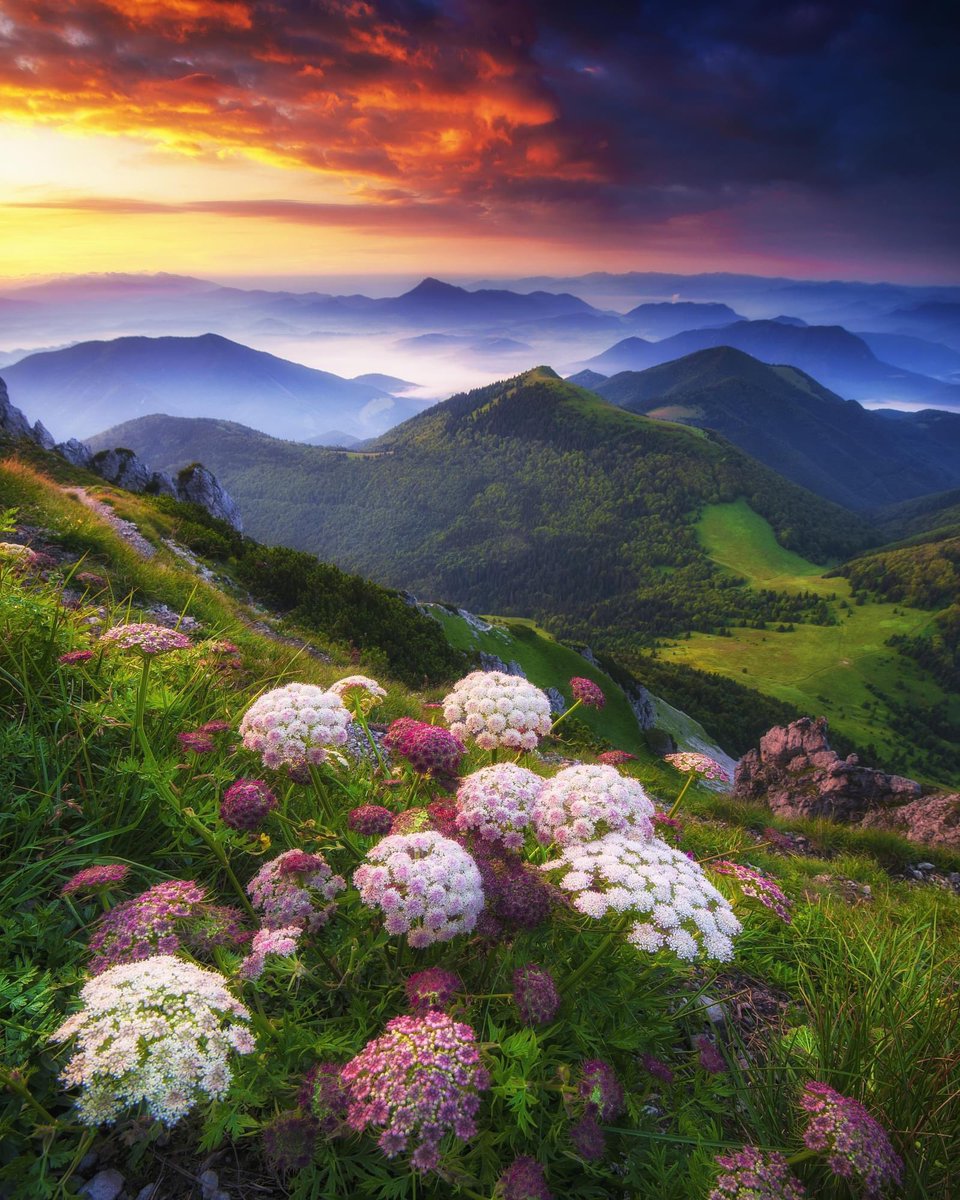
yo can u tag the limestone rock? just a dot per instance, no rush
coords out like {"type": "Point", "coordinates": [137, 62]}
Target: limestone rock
{"type": "Point", "coordinates": [105, 1185]}
{"type": "Point", "coordinates": [932, 820]}
{"type": "Point", "coordinates": [42, 436]}
{"type": "Point", "coordinates": [557, 702]}
{"type": "Point", "coordinates": [122, 467]}
{"type": "Point", "coordinates": [161, 484]}
{"type": "Point", "coordinates": [77, 453]}
{"type": "Point", "coordinates": [795, 772]}
{"type": "Point", "coordinates": [12, 420]}
{"type": "Point", "coordinates": [197, 485]}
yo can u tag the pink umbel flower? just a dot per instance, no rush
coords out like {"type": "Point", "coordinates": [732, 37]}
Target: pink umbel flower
{"type": "Point", "coordinates": [676, 906]}
{"type": "Point", "coordinates": [146, 638]}
{"type": "Point", "coordinates": [702, 765]}
{"type": "Point", "coordinates": [197, 741]}
{"type": "Point", "coordinates": [295, 725]}
{"type": "Point", "coordinates": [757, 885]}
{"type": "Point", "coordinates": [73, 658]}
{"type": "Point", "coordinates": [615, 758]}
{"type": "Point", "coordinates": [359, 693]}
{"type": "Point", "coordinates": [753, 1174]}
{"type": "Point", "coordinates": [158, 1032]}
{"type": "Point", "coordinates": [855, 1144]}
{"type": "Point", "coordinates": [246, 804]}
{"type": "Point", "coordinates": [587, 692]}
{"type": "Point", "coordinates": [523, 1180]}
{"type": "Point", "coordinates": [370, 820]}
{"type": "Point", "coordinates": [426, 885]}
{"type": "Point", "coordinates": [584, 802]}
{"type": "Point", "coordinates": [516, 894]}
{"type": "Point", "coordinates": [535, 994]}
{"type": "Point", "coordinates": [497, 803]}
{"type": "Point", "coordinates": [496, 710]}
{"type": "Point", "coordinates": [433, 988]}
{"type": "Point", "coordinates": [145, 925]}
{"type": "Point", "coordinates": [417, 1082]}
{"type": "Point", "coordinates": [429, 749]}
{"type": "Point", "coordinates": [295, 888]}
{"type": "Point", "coordinates": [282, 942]}
{"type": "Point", "coordinates": [600, 1090]}
{"type": "Point", "coordinates": [104, 875]}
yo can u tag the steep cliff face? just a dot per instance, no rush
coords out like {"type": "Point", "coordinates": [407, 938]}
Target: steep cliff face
{"type": "Point", "coordinates": [194, 484]}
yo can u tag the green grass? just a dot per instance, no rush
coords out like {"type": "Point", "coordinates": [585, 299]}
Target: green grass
{"type": "Point", "coordinates": [823, 670]}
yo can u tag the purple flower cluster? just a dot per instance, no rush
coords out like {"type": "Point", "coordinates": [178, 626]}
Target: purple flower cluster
{"type": "Point", "coordinates": [517, 897]}
{"type": "Point", "coordinates": [587, 1138]}
{"type": "Point", "coordinates": [711, 1060]}
{"type": "Point", "coordinates": [433, 988]}
{"type": "Point", "coordinates": [758, 885]}
{"type": "Point", "coordinates": [198, 741]}
{"type": "Point", "coordinates": [371, 820]}
{"type": "Point", "coordinates": [146, 638]}
{"type": "Point", "coordinates": [497, 803]}
{"type": "Point", "coordinates": [657, 1068]}
{"type": "Point", "coordinates": [90, 878]}
{"type": "Point", "coordinates": [753, 1174]}
{"type": "Point", "coordinates": [215, 925]}
{"type": "Point", "coordinates": [430, 749]}
{"type": "Point", "coordinates": [246, 804]}
{"type": "Point", "coordinates": [615, 758]}
{"type": "Point", "coordinates": [417, 1082]}
{"type": "Point", "coordinates": [284, 890]}
{"type": "Point", "coordinates": [289, 1141]}
{"type": "Point", "coordinates": [587, 692]}
{"type": "Point", "coordinates": [535, 994]}
{"type": "Point", "coordinates": [324, 1095]}
{"type": "Point", "coordinates": [523, 1180]}
{"type": "Point", "coordinates": [145, 925]}
{"type": "Point", "coordinates": [856, 1144]}
{"type": "Point", "coordinates": [73, 658]}
{"type": "Point", "coordinates": [600, 1090]}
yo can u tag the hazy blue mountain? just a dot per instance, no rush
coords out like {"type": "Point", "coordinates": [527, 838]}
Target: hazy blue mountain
{"type": "Point", "coordinates": [914, 354]}
{"type": "Point", "coordinates": [665, 319]}
{"type": "Point", "coordinates": [587, 379]}
{"type": "Point", "coordinates": [786, 419]}
{"type": "Point", "coordinates": [937, 320]}
{"type": "Point", "coordinates": [87, 387]}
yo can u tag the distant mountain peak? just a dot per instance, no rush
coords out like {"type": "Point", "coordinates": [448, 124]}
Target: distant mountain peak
{"type": "Point", "coordinates": [430, 289]}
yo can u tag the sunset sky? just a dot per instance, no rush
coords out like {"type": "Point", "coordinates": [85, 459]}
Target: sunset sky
{"type": "Point", "coordinates": [237, 137]}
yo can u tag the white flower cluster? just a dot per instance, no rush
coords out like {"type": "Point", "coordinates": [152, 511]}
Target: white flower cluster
{"type": "Point", "coordinates": [496, 709]}
{"type": "Point", "coordinates": [584, 802]}
{"type": "Point", "coordinates": [360, 690]}
{"type": "Point", "coordinates": [158, 1031]}
{"type": "Point", "coordinates": [497, 802]}
{"type": "Point", "coordinates": [293, 724]}
{"type": "Point", "coordinates": [677, 906]}
{"type": "Point", "coordinates": [427, 886]}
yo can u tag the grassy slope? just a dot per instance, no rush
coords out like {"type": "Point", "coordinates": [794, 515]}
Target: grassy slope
{"type": "Point", "coordinates": [822, 669]}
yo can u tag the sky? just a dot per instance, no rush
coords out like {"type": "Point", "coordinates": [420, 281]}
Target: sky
{"type": "Point", "coordinates": [512, 137]}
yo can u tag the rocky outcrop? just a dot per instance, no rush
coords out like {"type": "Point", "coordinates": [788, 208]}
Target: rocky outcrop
{"type": "Point", "coordinates": [932, 820]}
{"type": "Point", "coordinates": [492, 662]}
{"type": "Point", "coordinates": [796, 774]}
{"type": "Point", "coordinates": [12, 420]}
{"type": "Point", "coordinates": [642, 704]}
{"type": "Point", "coordinates": [77, 453]}
{"type": "Point", "coordinates": [121, 467]}
{"type": "Point", "coordinates": [197, 485]}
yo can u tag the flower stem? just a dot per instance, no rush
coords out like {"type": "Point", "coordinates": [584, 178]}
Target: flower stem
{"type": "Point", "coordinates": [566, 713]}
{"type": "Point", "coordinates": [198, 826]}
{"type": "Point", "coordinates": [598, 953]}
{"type": "Point", "coordinates": [11, 1079]}
{"type": "Point", "coordinates": [362, 720]}
{"type": "Point", "coordinates": [683, 792]}
{"type": "Point", "coordinates": [141, 698]}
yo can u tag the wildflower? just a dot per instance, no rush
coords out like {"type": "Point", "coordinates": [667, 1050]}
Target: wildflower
{"type": "Point", "coordinates": [497, 802]}
{"type": "Point", "coordinates": [690, 762]}
{"type": "Point", "coordinates": [289, 1141]}
{"type": "Point", "coordinates": [90, 878]}
{"type": "Point", "coordinates": [615, 758]}
{"type": "Point", "coordinates": [586, 692]}
{"type": "Point", "coordinates": [371, 820]}
{"type": "Point", "coordinates": [662, 821]}
{"type": "Point", "coordinates": [855, 1143]}
{"type": "Point", "coordinates": [600, 1090]}
{"type": "Point", "coordinates": [753, 1174]}
{"type": "Point", "coordinates": [282, 942]}
{"type": "Point", "coordinates": [73, 658]}
{"type": "Point", "coordinates": [158, 1031]}
{"type": "Point", "coordinates": [89, 579]}
{"type": "Point", "coordinates": [246, 804]}
{"type": "Point", "coordinates": [215, 925]}
{"type": "Point", "coordinates": [433, 988]}
{"type": "Point", "coordinates": [676, 905]}
{"type": "Point", "coordinates": [758, 885]}
{"type": "Point", "coordinates": [535, 994]}
{"type": "Point", "coordinates": [146, 638]}
{"type": "Point", "coordinates": [584, 802]}
{"type": "Point", "coordinates": [420, 1080]}
{"type": "Point", "coordinates": [324, 1095]}
{"type": "Point", "coordinates": [359, 693]}
{"type": "Point", "coordinates": [657, 1068]}
{"type": "Point", "coordinates": [523, 1180]}
{"type": "Point", "coordinates": [214, 727]}
{"type": "Point", "coordinates": [145, 925]}
{"type": "Point", "coordinates": [427, 886]}
{"type": "Point", "coordinates": [197, 741]}
{"type": "Point", "coordinates": [515, 893]}
{"type": "Point", "coordinates": [284, 890]}
{"type": "Point", "coordinates": [294, 724]}
{"type": "Point", "coordinates": [587, 1138]}
{"type": "Point", "coordinates": [711, 1060]}
{"type": "Point", "coordinates": [429, 749]}
{"type": "Point", "coordinates": [496, 709]}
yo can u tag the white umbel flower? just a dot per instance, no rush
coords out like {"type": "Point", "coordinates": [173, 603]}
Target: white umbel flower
{"type": "Point", "coordinates": [582, 803]}
{"type": "Point", "coordinates": [497, 803]}
{"type": "Point", "coordinates": [496, 710]}
{"type": "Point", "coordinates": [295, 724]}
{"type": "Point", "coordinates": [160, 1032]}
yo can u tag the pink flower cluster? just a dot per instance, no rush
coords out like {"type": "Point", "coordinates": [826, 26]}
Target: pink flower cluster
{"type": "Point", "coordinates": [370, 820]}
{"type": "Point", "coordinates": [246, 804]}
{"type": "Point", "coordinates": [535, 994]}
{"type": "Point", "coordinates": [145, 925]}
{"type": "Point", "coordinates": [282, 942]}
{"type": "Point", "coordinates": [417, 1082]}
{"type": "Point", "coordinates": [73, 658]}
{"type": "Point", "coordinates": [426, 885]}
{"type": "Point", "coordinates": [294, 725]}
{"type": "Point", "coordinates": [753, 1174]}
{"type": "Point", "coordinates": [146, 638]}
{"type": "Point", "coordinates": [615, 758]}
{"type": "Point", "coordinates": [689, 761]}
{"type": "Point", "coordinates": [497, 802]}
{"type": "Point", "coordinates": [90, 878]}
{"type": "Point", "coordinates": [759, 886]}
{"type": "Point", "coordinates": [600, 1090]}
{"type": "Point", "coordinates": [523, 1180]}
{"type": "Point", "coordinates": [516, 895]}
{"type": "Point", "coordinates": [584, 802]}
{"type": "Point", "coordinates": [855, 1143]}
{"type": "Point", "coordinates": [433, 988]}
{"type": "Point", "coordinates": [587, 692]}
{"type": "Point", "coordinates": [497, 709]}
{"type": "Point", "coordinates": [429, 749]}
{"type": "Point", "coordinates": [286, 890]}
